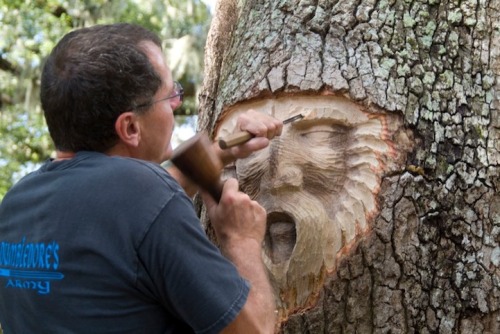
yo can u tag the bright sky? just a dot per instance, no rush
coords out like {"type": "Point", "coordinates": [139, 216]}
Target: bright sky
{"type": "Point", "coordinates": [186, 131]}
{"type": "Point", "coordinates": [210, 3]}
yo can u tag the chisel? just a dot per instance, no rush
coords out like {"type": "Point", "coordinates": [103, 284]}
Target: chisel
{"type": "Point", "coordinates": [244, 136]}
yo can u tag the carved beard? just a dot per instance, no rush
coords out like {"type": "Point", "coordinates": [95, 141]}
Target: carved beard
{"type": "Point", "coordinates": [293, 186]}
{"type": "Point", "coordinates": [299, 240]}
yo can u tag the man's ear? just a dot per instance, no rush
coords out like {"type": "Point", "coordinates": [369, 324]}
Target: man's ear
{"type": "Point", "coordinates": [128, 129]}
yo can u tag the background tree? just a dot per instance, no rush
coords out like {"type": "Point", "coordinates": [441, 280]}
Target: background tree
{"type": "Point", "coordinates": [30, 30]}
{"type": "Point", "coordinates": [430, 262]}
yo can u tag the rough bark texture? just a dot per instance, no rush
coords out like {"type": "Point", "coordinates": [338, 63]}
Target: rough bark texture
{"type": "Point", "coordinates": [431, 262]}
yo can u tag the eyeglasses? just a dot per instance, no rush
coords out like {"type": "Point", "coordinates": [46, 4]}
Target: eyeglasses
{"type": "Point", "coordinates": [178, 93]}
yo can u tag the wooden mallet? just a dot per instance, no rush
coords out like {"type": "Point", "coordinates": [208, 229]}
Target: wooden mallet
{"type": "Point", "coordinates": [197, 160]}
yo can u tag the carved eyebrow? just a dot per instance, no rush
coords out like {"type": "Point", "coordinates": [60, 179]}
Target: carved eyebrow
{"type": "Point", "coordinates": [321, 120]}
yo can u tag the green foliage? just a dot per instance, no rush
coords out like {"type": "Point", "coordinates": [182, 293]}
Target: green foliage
{"type": "Point", "coordinates": [25, 142]}
{"type": "Point", "coordinates": [30, 29]}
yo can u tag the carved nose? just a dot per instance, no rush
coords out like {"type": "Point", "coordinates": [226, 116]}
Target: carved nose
{"type": "Point", "coordinates": [287, 176]}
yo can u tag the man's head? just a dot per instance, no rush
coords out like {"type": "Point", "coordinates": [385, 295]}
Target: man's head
{"type": "Point", "coordinates": [93, 78]}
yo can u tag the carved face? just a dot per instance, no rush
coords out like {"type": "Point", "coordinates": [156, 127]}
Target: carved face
{"type": "Point", "coordinates": [317, 181]}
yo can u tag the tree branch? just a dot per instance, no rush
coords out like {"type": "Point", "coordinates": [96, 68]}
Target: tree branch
{"type": "Point", "coordinates": [7, 66]}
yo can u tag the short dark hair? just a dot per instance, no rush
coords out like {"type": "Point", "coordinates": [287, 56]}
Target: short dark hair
{"type": "Point", "coordinates": [91, 77]}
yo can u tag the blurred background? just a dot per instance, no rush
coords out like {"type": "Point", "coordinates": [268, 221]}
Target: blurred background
{"type": "Point", "coordinates": [29, 30]}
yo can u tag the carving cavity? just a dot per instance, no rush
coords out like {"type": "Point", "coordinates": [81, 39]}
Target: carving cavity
{"type": "Point", "coordinates": [281, 237]}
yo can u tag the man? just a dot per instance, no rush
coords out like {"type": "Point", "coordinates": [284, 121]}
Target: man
{"type": "Point", "coordinates": [102, 239]}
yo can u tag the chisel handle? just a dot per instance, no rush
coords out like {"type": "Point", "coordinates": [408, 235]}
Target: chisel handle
{"type": "Point", "coordinates": [235, 139]}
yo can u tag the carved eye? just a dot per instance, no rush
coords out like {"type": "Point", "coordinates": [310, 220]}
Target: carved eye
{"type": "Point", "coordinates": [318, 135]}
{"type": "Point", "coordinates": [325, 134]}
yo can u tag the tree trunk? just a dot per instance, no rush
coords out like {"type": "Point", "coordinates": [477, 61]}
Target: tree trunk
{"type": "Point", "coordinates": [383, 202]}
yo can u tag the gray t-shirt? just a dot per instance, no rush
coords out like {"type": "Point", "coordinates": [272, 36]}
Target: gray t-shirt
{"type": "Point", "coordinates": [100, 244]}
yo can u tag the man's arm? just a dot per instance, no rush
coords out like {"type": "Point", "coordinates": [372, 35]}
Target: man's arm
{"type": "Point", "coordinates": [240, 225]}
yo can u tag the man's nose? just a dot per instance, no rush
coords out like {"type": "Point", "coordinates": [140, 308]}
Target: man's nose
{"type": "Point", "coordinates": [175, 103]}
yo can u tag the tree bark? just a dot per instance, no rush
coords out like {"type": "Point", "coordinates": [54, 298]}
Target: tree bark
{"type": "Point", "coordinates": [427, 258]}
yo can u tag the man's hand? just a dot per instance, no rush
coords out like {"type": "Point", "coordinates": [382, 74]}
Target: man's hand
{"type": "Point", "coordinates": [240, 225]}
{"type": "Point", "coordinates": [236, 218]}
{"type": "Point", "coordinates": [262, 126]}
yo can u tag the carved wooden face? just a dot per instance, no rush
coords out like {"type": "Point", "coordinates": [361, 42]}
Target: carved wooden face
{"type": "Point", "coordinates": [317, 181]}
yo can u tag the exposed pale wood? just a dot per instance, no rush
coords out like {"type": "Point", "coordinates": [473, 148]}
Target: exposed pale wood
{"type": "Point", "coordinates": [318, 181]}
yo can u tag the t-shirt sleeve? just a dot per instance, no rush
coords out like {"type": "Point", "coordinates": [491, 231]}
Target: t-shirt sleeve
{"type": "Point", "coordinates": [187, 273]}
